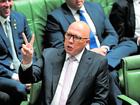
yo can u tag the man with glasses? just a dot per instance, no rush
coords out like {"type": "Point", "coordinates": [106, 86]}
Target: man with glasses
{"type": "Point", "coordinates": [71, 76]}
{"type": "Point", "coordinates": [12, 25]}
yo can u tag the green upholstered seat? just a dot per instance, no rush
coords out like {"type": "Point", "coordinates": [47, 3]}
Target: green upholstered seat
{"type": "Point", "coordinates": [130, 79]}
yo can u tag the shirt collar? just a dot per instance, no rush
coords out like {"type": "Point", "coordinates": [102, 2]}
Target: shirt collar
{"type": "Point", "coordinates": [75, 11]}
{"type": "Point", "coordinates": [2, 20]}
{"type": "Point", "coordinates": [83, 8]}
{"type": "Point", "coordinates": [136, 1]}
{"type": "Point", "coordinates": [78, 56]}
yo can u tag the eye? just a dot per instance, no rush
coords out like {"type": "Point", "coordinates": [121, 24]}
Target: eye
{"type": "Point", "coordinates": [77, 37]}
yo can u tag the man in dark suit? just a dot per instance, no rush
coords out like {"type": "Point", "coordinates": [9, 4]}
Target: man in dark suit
{"type": "Point", "coordinates": [124, 17]}
{"type": "Point", "coordinates": [12, 25]}
{"type": "Point", "coordinates": [108, 44]}
{"type": "Point", "coordinates": [88, 83]}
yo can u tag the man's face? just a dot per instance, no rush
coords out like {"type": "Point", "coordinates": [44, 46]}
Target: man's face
{"type": "Point", "coordinates": [76, 39]}
{"type": "Point", "coordinates": [75, 4]}
{"type": "Point", "coordinates": [5, 7]}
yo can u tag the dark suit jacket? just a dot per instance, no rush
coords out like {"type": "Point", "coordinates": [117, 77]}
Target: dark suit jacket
{"type": "Point", "coordinates": [90, 86]}
{"type": "Point", "coordinates": [122, 17]}
{"type": "Point", "coordinates": [18, 24]}
{"type": "Point", "coordinates": [59, 20]}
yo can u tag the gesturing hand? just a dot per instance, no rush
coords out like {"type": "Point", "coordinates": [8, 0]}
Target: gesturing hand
{"type": "Point", "coordinates": [27, 49]}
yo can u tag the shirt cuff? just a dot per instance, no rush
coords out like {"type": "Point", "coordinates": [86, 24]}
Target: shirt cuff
{"type": "Point", "coordinates": [15, 75]}
{"type": "Point", "coordinates": [26, 66]}
{"type": "Point", "coordinates": [138, 40]}
{"type": "Point", "coordinates": [106, 47]}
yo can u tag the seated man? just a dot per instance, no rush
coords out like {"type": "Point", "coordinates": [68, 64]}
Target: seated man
{"type": "Point", "coordinates": [70, 76]}
{"type": "Point", "coordinates": [12, 24]}
{"type": "Point", "coordinates": [125, 17]}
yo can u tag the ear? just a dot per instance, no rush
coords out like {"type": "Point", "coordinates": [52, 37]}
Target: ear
{"type": "Point", "coordinates": [87, 41]}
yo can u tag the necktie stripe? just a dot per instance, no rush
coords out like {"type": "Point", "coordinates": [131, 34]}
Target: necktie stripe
{"type": "Point", "coordinates": [93, 43]}
{"type": "Point", "coordinates": [15, 64]}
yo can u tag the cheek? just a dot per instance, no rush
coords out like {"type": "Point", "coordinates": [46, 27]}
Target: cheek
{"type": "Point", "coordinates": [1, 5]}
{"type": "Point", "coordinates": [65, 42]}
{"type": "Point", "coordinates": [78, 47]}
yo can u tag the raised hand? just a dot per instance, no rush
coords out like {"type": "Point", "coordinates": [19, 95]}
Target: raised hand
{"type": "Point", "coordinates": [27, 49]}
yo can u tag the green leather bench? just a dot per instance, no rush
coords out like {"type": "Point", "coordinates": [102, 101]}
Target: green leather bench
{"type": "Point", "coordinates": [36, 12]}
{"type": "Point", "coordinates": [129, 77]}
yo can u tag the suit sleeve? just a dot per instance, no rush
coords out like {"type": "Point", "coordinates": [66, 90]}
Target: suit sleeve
{"type": "Point", "coordinates": [32, 74]}
{"type": "Point", "coordinates": [55, 32]}
{"type": "Point", "coordinates": [102, 85]}
{"type": "Point", "coordinates": [117, 18]}
{"type": "Point", "coordinates": [109, 35]}
{"type": "Point", "coordinates": [4, 72]}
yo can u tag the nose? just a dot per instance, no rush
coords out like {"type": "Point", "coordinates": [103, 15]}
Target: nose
{"type": "Point", "coordinates": [71, 39]}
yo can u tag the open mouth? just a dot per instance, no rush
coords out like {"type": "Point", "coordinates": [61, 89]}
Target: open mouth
{"type": "Point", "coordinates": [69, 48]}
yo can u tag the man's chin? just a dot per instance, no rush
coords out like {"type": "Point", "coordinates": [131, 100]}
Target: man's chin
{"type": "Point", "coordinates": [6, 15]}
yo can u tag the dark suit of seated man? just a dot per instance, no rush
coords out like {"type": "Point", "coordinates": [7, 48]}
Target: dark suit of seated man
{"type": "Point", "coordinates": [70, 76]}
{"type": "Point", "coordinates": [12, 24]}
{"type": "Point", "coordinates": [128, 22]}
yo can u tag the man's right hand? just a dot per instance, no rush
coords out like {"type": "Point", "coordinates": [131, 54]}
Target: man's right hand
{"type": "Point", "coordinates": [102, 51]}
{"type": "Point", "coordinates": [27, 50]}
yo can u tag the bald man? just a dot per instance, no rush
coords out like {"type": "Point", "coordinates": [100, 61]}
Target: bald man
{"type": "Point", "coordinates": [85, 83]}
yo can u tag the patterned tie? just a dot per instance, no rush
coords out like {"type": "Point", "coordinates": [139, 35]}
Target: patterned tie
{"type": "Point", "coordinates": [16, 63]}
{"type": "Point", "coordinates": [67, 82]}
{"type": "Point", "coordinates": [93, 43]}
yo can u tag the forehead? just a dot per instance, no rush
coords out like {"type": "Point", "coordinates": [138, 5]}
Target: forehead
{"type": "Point", "coordinates": [74, 31]}
{"type": "Point", "coordinates": [78, 29]}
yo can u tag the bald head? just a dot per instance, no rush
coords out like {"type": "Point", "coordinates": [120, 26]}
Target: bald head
{"type": "Point", "coordinates": [76, 37]}
{"type": "Point", "coordinates": [80, 27]}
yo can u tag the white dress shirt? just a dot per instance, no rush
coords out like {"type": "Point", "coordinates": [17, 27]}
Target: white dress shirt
{"type": "Point", "coordinates": [137, 17]}
{"type": "Point", "coordinates": [3, 20]}
{"type": "Point", "coordinates": [56, 97]}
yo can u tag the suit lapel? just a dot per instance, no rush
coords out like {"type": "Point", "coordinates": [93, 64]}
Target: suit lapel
{"type": "Point", "coordinates": [57, 68]}
{"type": "Point", "coordinates": [82, 69]}
{"type": "Point", "coordinates": [93, 14]}
{"type": "Point", "coordinates": [14, 34]}
{"type": "Point", "coordinates": [67, 13]}
{"type": "Point", "coordinates": [5, 39]}
{"type": "Point", "coordinates": [13, 24]}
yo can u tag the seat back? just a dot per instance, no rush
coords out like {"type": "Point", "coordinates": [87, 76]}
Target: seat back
{"type": "Point", "coordinates": [36, 12]}
{"type": "Point", "coordinates": [130, 82]}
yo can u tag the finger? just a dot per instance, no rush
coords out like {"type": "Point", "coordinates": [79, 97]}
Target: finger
{"type": "Point", "coordinates": [32, 40]}
{"type": "Point", "coordinates": [24, 38]}
{"type": "Point", "coordinates": [24, 49]}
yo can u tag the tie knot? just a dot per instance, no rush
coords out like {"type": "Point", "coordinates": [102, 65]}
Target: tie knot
{"type": "Point", "coordinates": [80, 11]}
{"type": "Point", "coordinates": [72, 58]}
{"type": "Point", "coordinates": [5, 22]}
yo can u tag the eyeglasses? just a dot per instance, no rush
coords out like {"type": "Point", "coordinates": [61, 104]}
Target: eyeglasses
{"type": "Point", "coordinates": [75, 37]}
